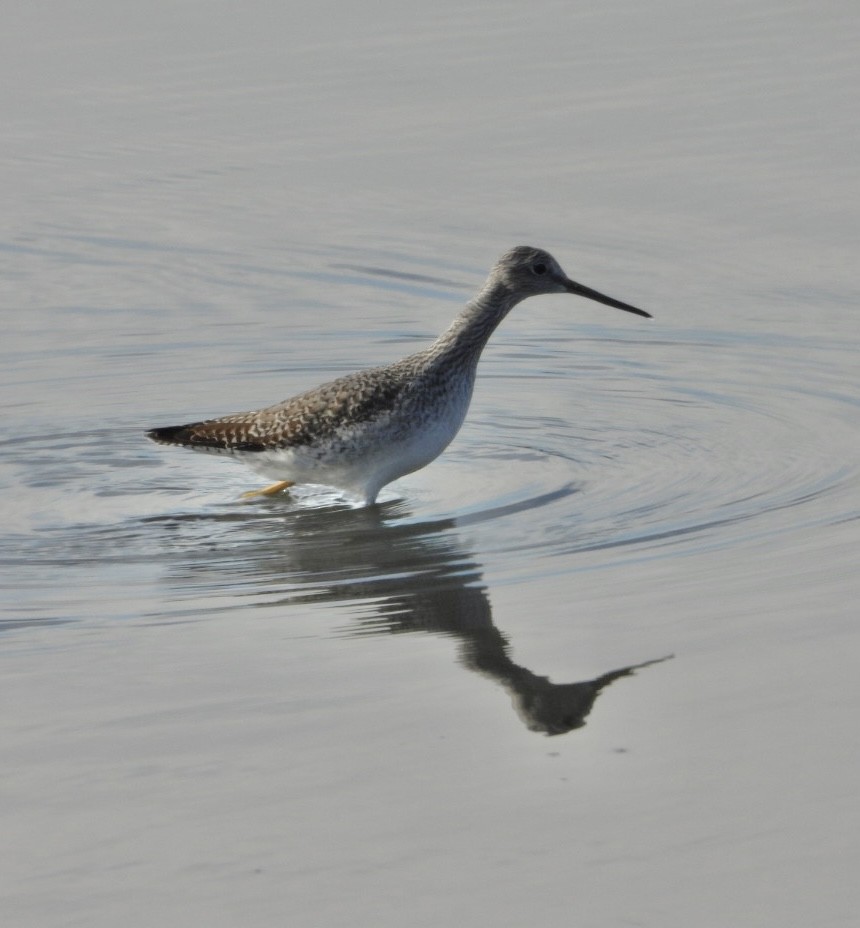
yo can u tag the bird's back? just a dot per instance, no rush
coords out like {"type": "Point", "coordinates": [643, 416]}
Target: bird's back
{"type": "Point", "coordinates": [310, 419]}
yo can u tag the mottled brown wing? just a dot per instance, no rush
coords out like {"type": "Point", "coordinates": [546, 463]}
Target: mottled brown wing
{"type": "Point", "coordinates": [304, 420]}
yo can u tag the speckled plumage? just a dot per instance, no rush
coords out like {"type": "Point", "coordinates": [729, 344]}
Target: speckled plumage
{"type": "Point", "coordinates": [364, 430]}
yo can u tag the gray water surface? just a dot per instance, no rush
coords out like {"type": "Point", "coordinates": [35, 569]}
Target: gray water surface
{"type": "Point", "coordinates": [594, 666]}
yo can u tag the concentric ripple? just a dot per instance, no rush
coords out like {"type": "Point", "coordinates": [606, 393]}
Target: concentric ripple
{"type": "Point", "coordinates": [596, 455]}
{"type": "Point", "coordinates": [762, 440]}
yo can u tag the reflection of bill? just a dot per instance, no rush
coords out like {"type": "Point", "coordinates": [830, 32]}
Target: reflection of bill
{"type": "Point", "coordinates": [426, 582]}
{"type": "Point", "coordinates": [464, 612]}
{"type": "Point", "coordinates": [407, 577]}
{"type": "Point", "coordinates": [551, 708]}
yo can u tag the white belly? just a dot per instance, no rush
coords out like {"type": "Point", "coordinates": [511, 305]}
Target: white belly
{"type": "Point", "coordinates": [364, 458]}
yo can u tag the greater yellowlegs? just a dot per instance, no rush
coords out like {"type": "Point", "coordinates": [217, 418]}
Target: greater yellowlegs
{"type": "Point", "coordinates": [362, 431]}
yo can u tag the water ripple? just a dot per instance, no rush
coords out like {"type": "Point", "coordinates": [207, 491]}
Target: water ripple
{"type": "Point", "coordinates": [750, 439]}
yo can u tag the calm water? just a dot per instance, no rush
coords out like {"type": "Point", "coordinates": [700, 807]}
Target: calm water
{"type": "Point", "coordinates": [597, 664]}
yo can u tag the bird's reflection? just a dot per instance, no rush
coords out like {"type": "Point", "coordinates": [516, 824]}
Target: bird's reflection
{"type": "Point", "coordinates": [464, 612]}
{"type": "Point", "coordinates": [417, 577]}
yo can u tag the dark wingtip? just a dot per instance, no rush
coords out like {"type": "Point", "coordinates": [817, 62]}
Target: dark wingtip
{"type": "Point", "coordinates": [186, 436]}
{"type": "Point", "coordinates": [172, 434]}
{"type": "Point", "coordinates": [192, 436]}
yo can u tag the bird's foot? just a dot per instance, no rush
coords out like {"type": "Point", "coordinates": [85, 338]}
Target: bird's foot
{"type": "Point", "coordinates": [270, 490]}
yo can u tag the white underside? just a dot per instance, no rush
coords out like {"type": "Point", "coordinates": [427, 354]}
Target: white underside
{"type": "Point", "coordinates": [374, 455]}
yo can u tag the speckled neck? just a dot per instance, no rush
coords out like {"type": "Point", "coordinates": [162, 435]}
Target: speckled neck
{"type": "Point", "coordinates": [464, 340]}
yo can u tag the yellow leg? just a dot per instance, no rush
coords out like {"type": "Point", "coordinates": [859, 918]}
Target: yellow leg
{"type": "Point", "coordinates": [270, 490]}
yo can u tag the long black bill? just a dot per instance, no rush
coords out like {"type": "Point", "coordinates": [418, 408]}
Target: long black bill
{"type": "Point", "coordinates": [573, 287]}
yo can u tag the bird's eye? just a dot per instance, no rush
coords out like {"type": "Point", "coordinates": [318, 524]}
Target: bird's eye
{"type": "Point", "coordinates": [539, 268]}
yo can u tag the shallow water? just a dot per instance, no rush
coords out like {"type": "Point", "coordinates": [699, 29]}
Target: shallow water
{"type": "Point", "coordinates": [642, 543]}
